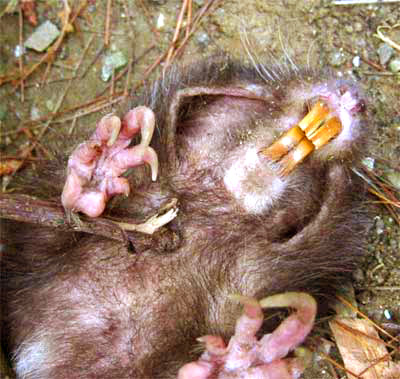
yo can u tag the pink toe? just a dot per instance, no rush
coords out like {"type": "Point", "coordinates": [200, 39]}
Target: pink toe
{"type": "Point", "coordinates": [251, 320]}
{"type": "Point", "coordinates": [293, 330]}
{"type": "Point", "coordinates": [127, 158]}
{"type": "Point", "coordinates": [242, 348]}
{"type": "Point", "coordinates": [215, 345]}
{"type": "Point", "coordinates": [72, 190]}
{"type": "Point", "coordinates": [196, 370]}
{"type": "Point", "coordinates": [91, 203]}
{"type": "Point", "coordinates": [107, 128]}
{"type": "Point", "coordinates": [133, 157]}
{"type": "Point", "coordinates": [136, 119]}
{"type": "Point", "coordinates": [85, 153]}
{"type": "Point", "coordinates": [117, 186]}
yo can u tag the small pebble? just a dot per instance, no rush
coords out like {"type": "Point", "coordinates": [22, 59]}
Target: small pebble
{"type": "Point", "coordinates": [337, 58]}
{"type": "Point", "coordinates": [369, 163]}
{"type": "Point", "coordinates": [160, 21]}
{"type": "Point", "coordinates": [18, 51]}
{"type": "Point", "coordinates": [50, 105]}
{"type": "Point", "coordinates": [35, 113]}
{"type": "Point", "coordinates": [394, 178]}
{"type": "Point", "coordinates": [112, 63]}
{"type": "Point", "coordinates": [356, 61]}
{"type": "Point", "coordinates": [358, 27]}
{"type": "Point", "coordinates": [358, 275]}
{"type": "Point", "coordinates": [394, 65]}
{"type": "Point", "coordinates": [203, 38]}
{"type": "Point", "coordinates": [385, 52]}
{"type": "Point", "coordinates": [379, 225]}
{"type": "Point", "coordinates": [387, 314]}
{"type": "Point", "coordinates": [394, 244]}
{"type": "Point", "coordinates": [64, 52]}
{"type": "Point", "coordinates": [42, 37]}
{"type": "Point", "coordinates": [364, 297]}
{"type": "Point", "coordinates": [348, 29]}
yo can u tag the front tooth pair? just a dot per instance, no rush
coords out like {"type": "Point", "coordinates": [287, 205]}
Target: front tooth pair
{"type": "Point", "coordinates": [315, 130]}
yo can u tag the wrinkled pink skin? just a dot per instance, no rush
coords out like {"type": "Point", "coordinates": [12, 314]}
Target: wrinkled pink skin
{"type": "Point", "coordinates": [94, 171]}
{"type": "Point", "coordinates": [247, 357]}
{"type": "Point", "coordinates": [95, 167]}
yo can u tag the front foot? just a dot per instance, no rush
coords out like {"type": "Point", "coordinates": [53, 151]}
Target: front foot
{"type": "Point", "coordinates": [247, 357]}
{"type": "Point", "coordinates": [95, 166]}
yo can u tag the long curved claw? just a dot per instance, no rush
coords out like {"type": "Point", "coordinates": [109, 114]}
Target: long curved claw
{"type": "Point", "coordinates": [95, 167]}
{"type": "Point", "coordinates": [247, 357]}
{"type": "Point", "coordinates": [294, 329]}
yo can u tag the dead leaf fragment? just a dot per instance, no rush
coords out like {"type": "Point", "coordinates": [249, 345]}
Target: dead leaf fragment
{"type": "Point", "coordinates": [362, 350]}
{"type": "Point", "coordinates": [9, 166]}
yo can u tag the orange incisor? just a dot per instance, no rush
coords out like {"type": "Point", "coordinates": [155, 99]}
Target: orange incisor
{"type": "Point", "coordinates": [315, 130]}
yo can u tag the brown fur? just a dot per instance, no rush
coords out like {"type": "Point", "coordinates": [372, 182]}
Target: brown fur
{"type": "Point", "coordinates": [101, 311]}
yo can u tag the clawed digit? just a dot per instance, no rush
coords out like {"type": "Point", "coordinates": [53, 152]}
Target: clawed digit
{"type": "Point", "coordinates": [247, 357]}
{"type": "Point", "coordinates": [95, 167]}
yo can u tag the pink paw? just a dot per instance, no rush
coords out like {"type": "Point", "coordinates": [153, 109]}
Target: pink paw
{"type": "Point", "coordinates": [247, 357]}
{"type": "Point", "coordinates": [95, 166]}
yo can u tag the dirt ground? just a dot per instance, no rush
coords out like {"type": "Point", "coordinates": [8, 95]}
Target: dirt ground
{"type": "Point", "coordinates": [53, 104]}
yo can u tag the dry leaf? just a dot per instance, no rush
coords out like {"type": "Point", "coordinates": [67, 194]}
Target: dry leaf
{"type": "Point", "coordinates": [363, 352]}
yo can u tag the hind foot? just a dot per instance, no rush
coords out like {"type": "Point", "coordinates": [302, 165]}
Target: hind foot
{"type": "Point", "coordinates": [95, 166]}
{"type": "Point", "coordinates": [247, 357]}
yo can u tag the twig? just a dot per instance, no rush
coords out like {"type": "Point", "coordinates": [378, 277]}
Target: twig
{"type": "Point", "coordinates": [29, 150]}
{"type": "Point", "coordinates": [148, 17]}
{"type": "Point", "coordinates": [383, 38]}
{"type": "Point", "coordinates": [189, 18]}
{"type": "Point", "coordinates": [386, 73]}
{"type": "Point", "coordinates": [195, 25]}
{"type": "Point", "coordinates": [23, 208]}
{"type": "Point", "coordinates": [104, 103]}
{"type": "Point", "coordinates": [128, 13]}
{"type": "Point", "coordinates": [93, 61]}
{"type": "Point", "coordinates": [21, 46]}
{"type": "Point", "coordinates": [360, 2]}
{"type": "Point", "coordinates": [128, 70]}
{"type": "Point", "coordinates": [52, 50]}
{"type": "Point", "coordinates": [375, 65]}
{"type": "Point", "coordinates": [336, 364]}
{"type": "Point", "coordinates": [381, 190]}
{"type": "Point", "coordinates": [112, 87]}
{"type": "Point", "coordinates": [128, 77]}
{"type": "Point", "coordinates": [85, 50]}
{"type": "Point", "coordinates": [34, 211]}
{"type": "Point", "coordinates": [176, 34]}
{"type": "Point", "coordinates": [107, 25]}
{"type": "Point", "coordinates": [364, 316]}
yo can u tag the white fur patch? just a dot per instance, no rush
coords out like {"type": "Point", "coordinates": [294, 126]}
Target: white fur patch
{"type": "Point", "coordinates": [239, 180]}
{"type": "Point", "coordinates": [30, 358]}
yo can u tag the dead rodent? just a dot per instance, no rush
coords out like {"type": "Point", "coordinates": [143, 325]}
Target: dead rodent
{"type": "Point", "coordinates": [76, 305]}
